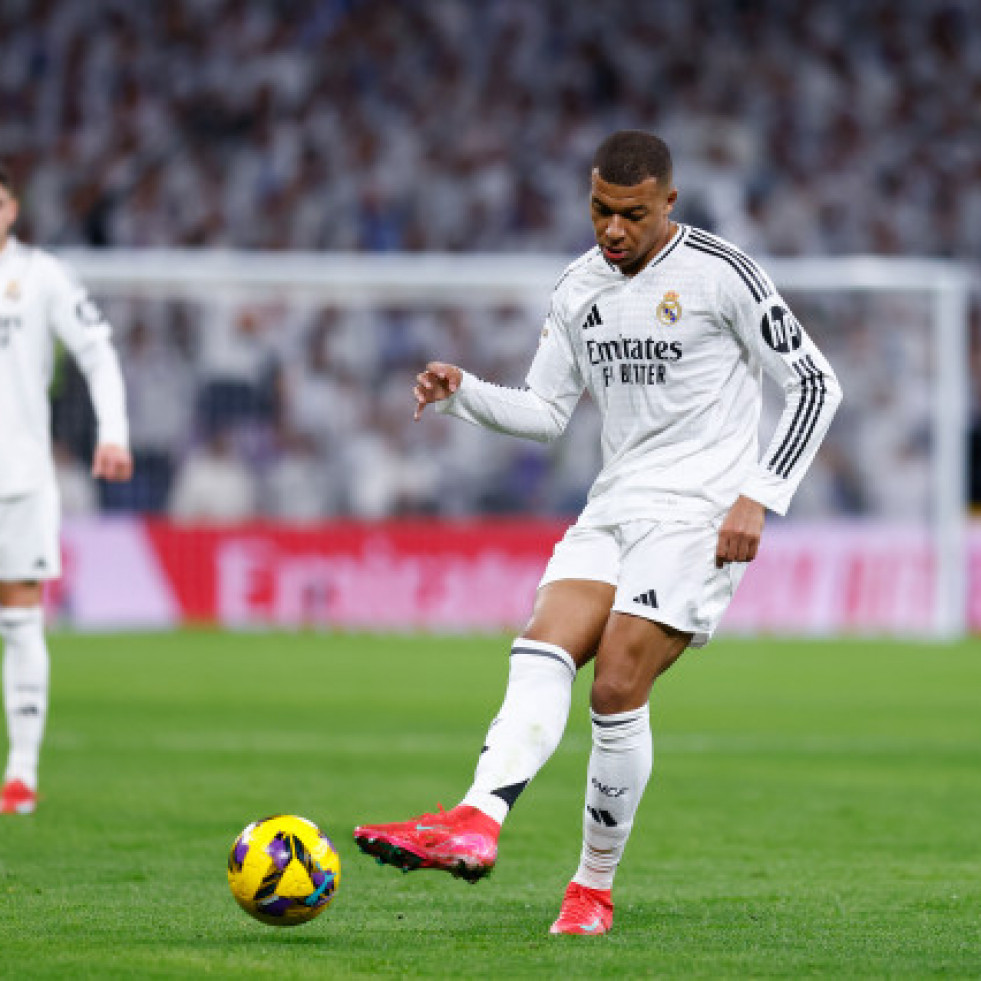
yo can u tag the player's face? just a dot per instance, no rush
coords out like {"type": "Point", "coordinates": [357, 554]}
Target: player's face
{"type": "Point", "coordinates": [8, 213]}
{"type": "Point", "coordinates": [632, 222]}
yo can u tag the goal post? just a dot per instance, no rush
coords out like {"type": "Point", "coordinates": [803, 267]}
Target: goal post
{"type": "Point", "coordinates": [432, 281]}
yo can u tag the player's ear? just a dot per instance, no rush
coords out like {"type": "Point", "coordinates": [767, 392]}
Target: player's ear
{"type": "Point", "coordinates": [670, 198]}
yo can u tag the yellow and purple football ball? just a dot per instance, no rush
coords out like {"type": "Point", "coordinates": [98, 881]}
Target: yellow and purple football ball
{"type": "Point", "coordinates": [283, 870]}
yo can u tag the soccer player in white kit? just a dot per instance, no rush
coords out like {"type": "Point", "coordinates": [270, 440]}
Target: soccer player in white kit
{"type": "Point", "coordinates": [669, 328]}
{"type": "Point", "coordinates": [40, 300]}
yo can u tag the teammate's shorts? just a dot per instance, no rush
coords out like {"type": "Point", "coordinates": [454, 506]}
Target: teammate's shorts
{"type": "Point", "coordinates": [662, 570]}
{"type": "Point", "coordinates": [29, 536]}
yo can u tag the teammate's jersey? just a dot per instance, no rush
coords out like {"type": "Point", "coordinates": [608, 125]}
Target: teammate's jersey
{"type": "Point", "coordinates": [673, 357]}
{"type": "Point", "coordinates": [39, 301]}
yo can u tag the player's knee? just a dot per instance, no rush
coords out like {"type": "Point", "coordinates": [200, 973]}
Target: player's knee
{"type": "Point", "coordinates": [20, 593]}
{"type": "Point", "coordinates": [617, 693]}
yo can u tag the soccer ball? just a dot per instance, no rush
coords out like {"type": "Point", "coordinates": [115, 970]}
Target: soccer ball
{"type": "Point", "coordinates": [283, 870]}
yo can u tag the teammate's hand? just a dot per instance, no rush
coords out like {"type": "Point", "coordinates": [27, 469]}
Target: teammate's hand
{"type": "Point", "coordinates": [439, 381]}
{"type": "Point", "coordinates": [112, 462]}
{"type": "Point", "coordinates": [739, 536]}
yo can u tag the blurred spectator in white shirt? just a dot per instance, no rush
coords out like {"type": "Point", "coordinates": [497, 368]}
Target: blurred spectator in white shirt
{"type": "Point", "coordinates": [214, 485]}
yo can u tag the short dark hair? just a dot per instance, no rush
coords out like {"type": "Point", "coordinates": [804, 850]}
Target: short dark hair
{"type": "Point", "coordinates": [6, 180]}
{"type": "Point", "coordinates": [630, 156]}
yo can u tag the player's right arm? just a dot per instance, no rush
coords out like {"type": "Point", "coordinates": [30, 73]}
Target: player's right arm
{"type": "Point", "coordinates": [438, 381]}
{"type": "Point", "coordinates": [540, 411]}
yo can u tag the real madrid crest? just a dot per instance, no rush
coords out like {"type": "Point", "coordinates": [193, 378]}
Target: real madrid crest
{"type": "Point", "coordinates": [669, 309]}
{"type": "Point", "coordinates": [12, 292]}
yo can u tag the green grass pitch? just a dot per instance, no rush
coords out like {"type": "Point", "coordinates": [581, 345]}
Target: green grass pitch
{"type": "Point", "coordinates": [815, 810]}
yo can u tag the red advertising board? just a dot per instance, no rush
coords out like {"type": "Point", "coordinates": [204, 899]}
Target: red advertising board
{"type": "Point", "coordinates": [459, 576]}
{"type": "Point", "coordinates": [393, 576]}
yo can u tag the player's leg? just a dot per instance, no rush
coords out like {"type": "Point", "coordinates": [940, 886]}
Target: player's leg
{"type": "Point", "coordinates": [632, 654]}
{"type": "Point", "coordinates": [29, 553]}
{"type": "Point", "coordinates": [562, 635]}
{"type": "Point", "coordinates": [571, 609]}
{"type": "Point", "coordinates": [569, 616]}
{"type": "Point", "coordinates": [670, 596]}
{"type": "Point", "coordinates": [523, 735]}
{"type": "Point", "coordinates": [25, 691]}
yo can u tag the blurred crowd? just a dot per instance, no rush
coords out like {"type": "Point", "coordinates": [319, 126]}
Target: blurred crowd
{"type": "Point", "coordinates": [813, 127]}
{"type": "Point", "coordinates": [301, 413]}
{"type": "Point", "coordinates": [810, 128]}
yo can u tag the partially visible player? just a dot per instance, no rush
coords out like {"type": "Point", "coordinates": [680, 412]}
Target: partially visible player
{"type": "Point", "coordinates": [670, 329]}
{"type": "Point", "coordinates": [39, 301]}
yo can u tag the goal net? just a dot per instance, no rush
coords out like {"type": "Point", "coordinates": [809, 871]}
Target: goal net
{"type": "Point", "coordinates": [276, 387]}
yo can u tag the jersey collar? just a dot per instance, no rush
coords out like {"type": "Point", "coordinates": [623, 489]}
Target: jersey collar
{"type": "Point", "coordinates": [666, 249]}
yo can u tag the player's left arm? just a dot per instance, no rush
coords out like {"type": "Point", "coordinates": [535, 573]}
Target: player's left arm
{"type": "Point", "coordinates": [776, 340]}
{"type": "Point", "coordinates": [741, 531]}
{"type": "Point", "coordinates": [86, 333]}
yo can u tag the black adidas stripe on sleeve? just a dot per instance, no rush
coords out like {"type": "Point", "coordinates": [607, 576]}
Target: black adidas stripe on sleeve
{"type": "Point", "coordinates": [813, 390]}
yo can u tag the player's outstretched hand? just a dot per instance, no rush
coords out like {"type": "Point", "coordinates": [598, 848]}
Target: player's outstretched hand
{"type": "Point", "coordinates": [439, 381]}
{"type": "Point", "coordinates": [739, 536]}
{"type": "Point", "coordinates": [112, 462]}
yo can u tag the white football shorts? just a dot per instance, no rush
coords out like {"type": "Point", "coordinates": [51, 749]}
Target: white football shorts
{"type": "Point", "coordinates": [662, 570]}
{"type": "Point", "coordinates": [29, 536]}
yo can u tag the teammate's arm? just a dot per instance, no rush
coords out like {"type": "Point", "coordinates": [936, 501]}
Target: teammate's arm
{"type": "Point", "coordinates": [112, 462]}
{"type": "Point", "coordinates": [85, 332]}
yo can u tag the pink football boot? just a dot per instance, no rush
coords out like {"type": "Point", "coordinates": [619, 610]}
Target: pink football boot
{"type": "Point", "coordinates": [462, 841]}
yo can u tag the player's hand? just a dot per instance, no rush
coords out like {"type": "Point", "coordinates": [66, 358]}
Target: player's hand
{"type": "Point", "coordinates": [439, 381]}
{"type": "Point", "coordinates": [739, 536]}
{"type": "Point", "coordinates": [112, 462]}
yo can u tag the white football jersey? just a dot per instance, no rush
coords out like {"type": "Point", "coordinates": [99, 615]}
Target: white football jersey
{"type": "Point", "coordinates": [673, 357]}
{"type": "Point", "coordinates": [39, 301]}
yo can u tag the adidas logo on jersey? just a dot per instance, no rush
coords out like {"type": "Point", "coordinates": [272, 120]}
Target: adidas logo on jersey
{"type": "Point", "coordinates": [647, 599]}
{"type": "Point", "coordinates": [593, 320]}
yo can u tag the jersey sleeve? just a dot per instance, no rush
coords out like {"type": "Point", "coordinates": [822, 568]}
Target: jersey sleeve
{"type": "Point", "coordinates": [543, 409]}
{"type": "Point", "coordinates": [554, 373]}
{"type": "Point", "coordinates": [80, 324]}
{"type": "Point", "coordinates": [775, 339]}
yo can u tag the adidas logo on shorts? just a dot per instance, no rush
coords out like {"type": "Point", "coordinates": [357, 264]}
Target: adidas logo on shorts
{"type": "Point", "coordinates": [647, 599]}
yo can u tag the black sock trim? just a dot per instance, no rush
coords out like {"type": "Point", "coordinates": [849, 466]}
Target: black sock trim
{"type": "Point", "coordinates": [539, 653]}
{"type": "Point", "coordinates": [510, 794]}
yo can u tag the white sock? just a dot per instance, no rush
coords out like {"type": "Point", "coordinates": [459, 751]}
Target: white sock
{"type": "Point", "coordinates": [25, 688]}
{"type": "Point", "coordinates": [619, 768]}
{"type": "Point", "coordinates": [527, 728]}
